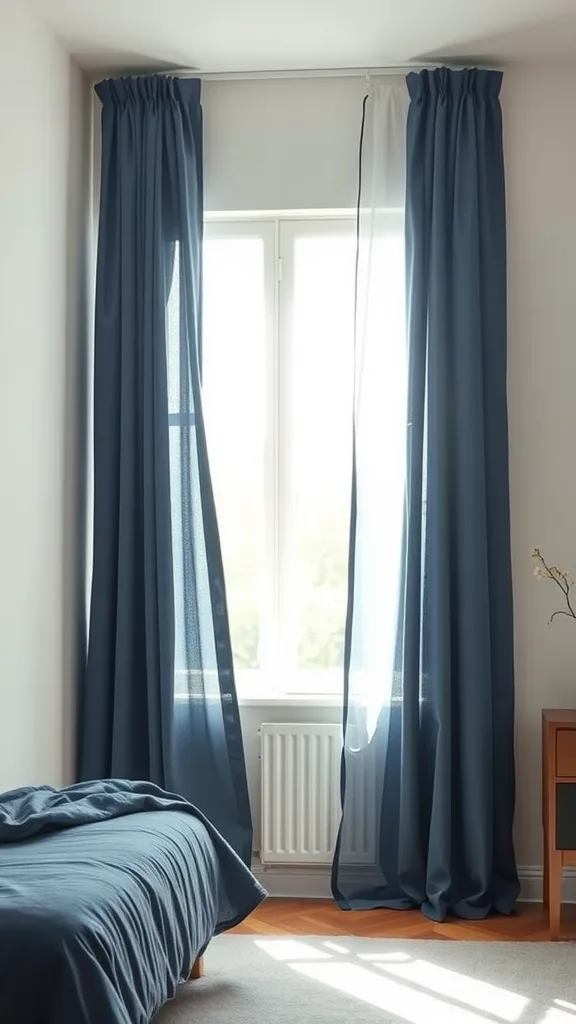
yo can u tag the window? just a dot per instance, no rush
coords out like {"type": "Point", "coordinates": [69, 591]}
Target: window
{"type": "Point", "coordinates": [277, 391]}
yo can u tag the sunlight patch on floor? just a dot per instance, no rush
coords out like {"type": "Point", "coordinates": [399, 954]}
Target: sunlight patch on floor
{"type": "Point", "coordinates": [335, 947]}
{"type": "Point", "coordinates": [416, 991]}
{"type": "Point", "coordinates": [396, 998]}
{"type": "Point", "coordinates": [480, 995]}
{"type": "Point", "coordinates": [565, 1004]}
{"type": "Point", "coordinates": [556, 1016]}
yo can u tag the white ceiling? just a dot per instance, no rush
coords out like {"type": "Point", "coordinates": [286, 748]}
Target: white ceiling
{"type": "Point", "coordinates": [267, 35]}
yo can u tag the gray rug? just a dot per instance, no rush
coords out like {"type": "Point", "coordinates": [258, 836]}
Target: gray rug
{"type": "Point", "coordinates": [334, 980]}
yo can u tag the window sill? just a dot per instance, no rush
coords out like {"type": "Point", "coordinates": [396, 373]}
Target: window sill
{"type": "Point", "coordinates": [291, 700]}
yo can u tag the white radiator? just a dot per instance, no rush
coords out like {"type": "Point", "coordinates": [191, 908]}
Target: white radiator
{"type": "Point", "coordinates": [301, 797]}
{"type": "Point", "coordinates": [300, 792]}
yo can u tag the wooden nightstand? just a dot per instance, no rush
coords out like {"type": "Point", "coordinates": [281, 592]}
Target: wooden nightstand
{"type": "Point", "coordinates": [558, 806]}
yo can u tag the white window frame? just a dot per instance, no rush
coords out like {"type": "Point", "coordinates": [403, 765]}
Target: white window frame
{"type": "Point", "coordinates": [275, 681]}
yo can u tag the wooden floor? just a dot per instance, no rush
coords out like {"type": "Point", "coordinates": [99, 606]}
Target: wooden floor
{"type": "Point", "coordinates": [323, 917]}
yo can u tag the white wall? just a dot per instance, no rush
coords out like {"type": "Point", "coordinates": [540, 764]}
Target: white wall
{"type": "Point", "coordinates": [282, 144]}
{"type": "Point", "coordinates": [42, 149]}
{"type": "Point", "coordinates": [540, 145]}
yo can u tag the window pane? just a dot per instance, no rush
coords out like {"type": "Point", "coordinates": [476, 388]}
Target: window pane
{"type": "Point", "coordinates": [321, 358]}
{"type": "Point", "coordinates": [234, 374]}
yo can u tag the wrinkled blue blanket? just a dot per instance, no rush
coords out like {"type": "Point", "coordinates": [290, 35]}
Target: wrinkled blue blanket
{"type": "Point", "coordinates": [105, 903]}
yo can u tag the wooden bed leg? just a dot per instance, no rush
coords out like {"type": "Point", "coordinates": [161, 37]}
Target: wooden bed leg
{"type": "Point", "coordinates": [197, 969]}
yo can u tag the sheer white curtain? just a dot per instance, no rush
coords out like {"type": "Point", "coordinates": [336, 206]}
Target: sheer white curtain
{"type": "Point", "coordinates": [379, 412]}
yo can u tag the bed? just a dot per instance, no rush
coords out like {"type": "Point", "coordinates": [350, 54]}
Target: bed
{"type": "Point", "coordinates": [109, 894]}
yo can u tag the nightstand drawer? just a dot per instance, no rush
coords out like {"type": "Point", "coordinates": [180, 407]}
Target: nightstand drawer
{"type": "Point", "coordinates": [566, 753]}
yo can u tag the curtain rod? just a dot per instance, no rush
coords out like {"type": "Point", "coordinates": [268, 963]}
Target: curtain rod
{"type": "Point", "coordinates": [223, 76]}
{"type": "Point", "coordinates": [239, 76]}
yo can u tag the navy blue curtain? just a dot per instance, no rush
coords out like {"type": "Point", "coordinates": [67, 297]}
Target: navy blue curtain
{"type": "Point", "coordinates": [158, 701]}
{"type": "Point", "coordinates": [437, 777]}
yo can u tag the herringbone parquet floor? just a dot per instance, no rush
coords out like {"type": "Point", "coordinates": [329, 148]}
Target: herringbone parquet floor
{"type": "Point", "coordinates": [323, 917]}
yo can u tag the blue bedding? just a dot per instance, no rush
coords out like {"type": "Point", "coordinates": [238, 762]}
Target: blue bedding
{"type": "Point", "coordinates": [108, 893]}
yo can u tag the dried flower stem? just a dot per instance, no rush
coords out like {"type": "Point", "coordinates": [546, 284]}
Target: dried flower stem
{"type": "Point", "coordinates": [560, 578]}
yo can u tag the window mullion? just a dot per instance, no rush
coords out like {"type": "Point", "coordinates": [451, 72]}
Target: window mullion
{"type": "Point", "coordinates": [275, 665]}
{"type": "Point", "coordinates": [269, 614]}
{"type": "Point", "coordinates": [287, 628]}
